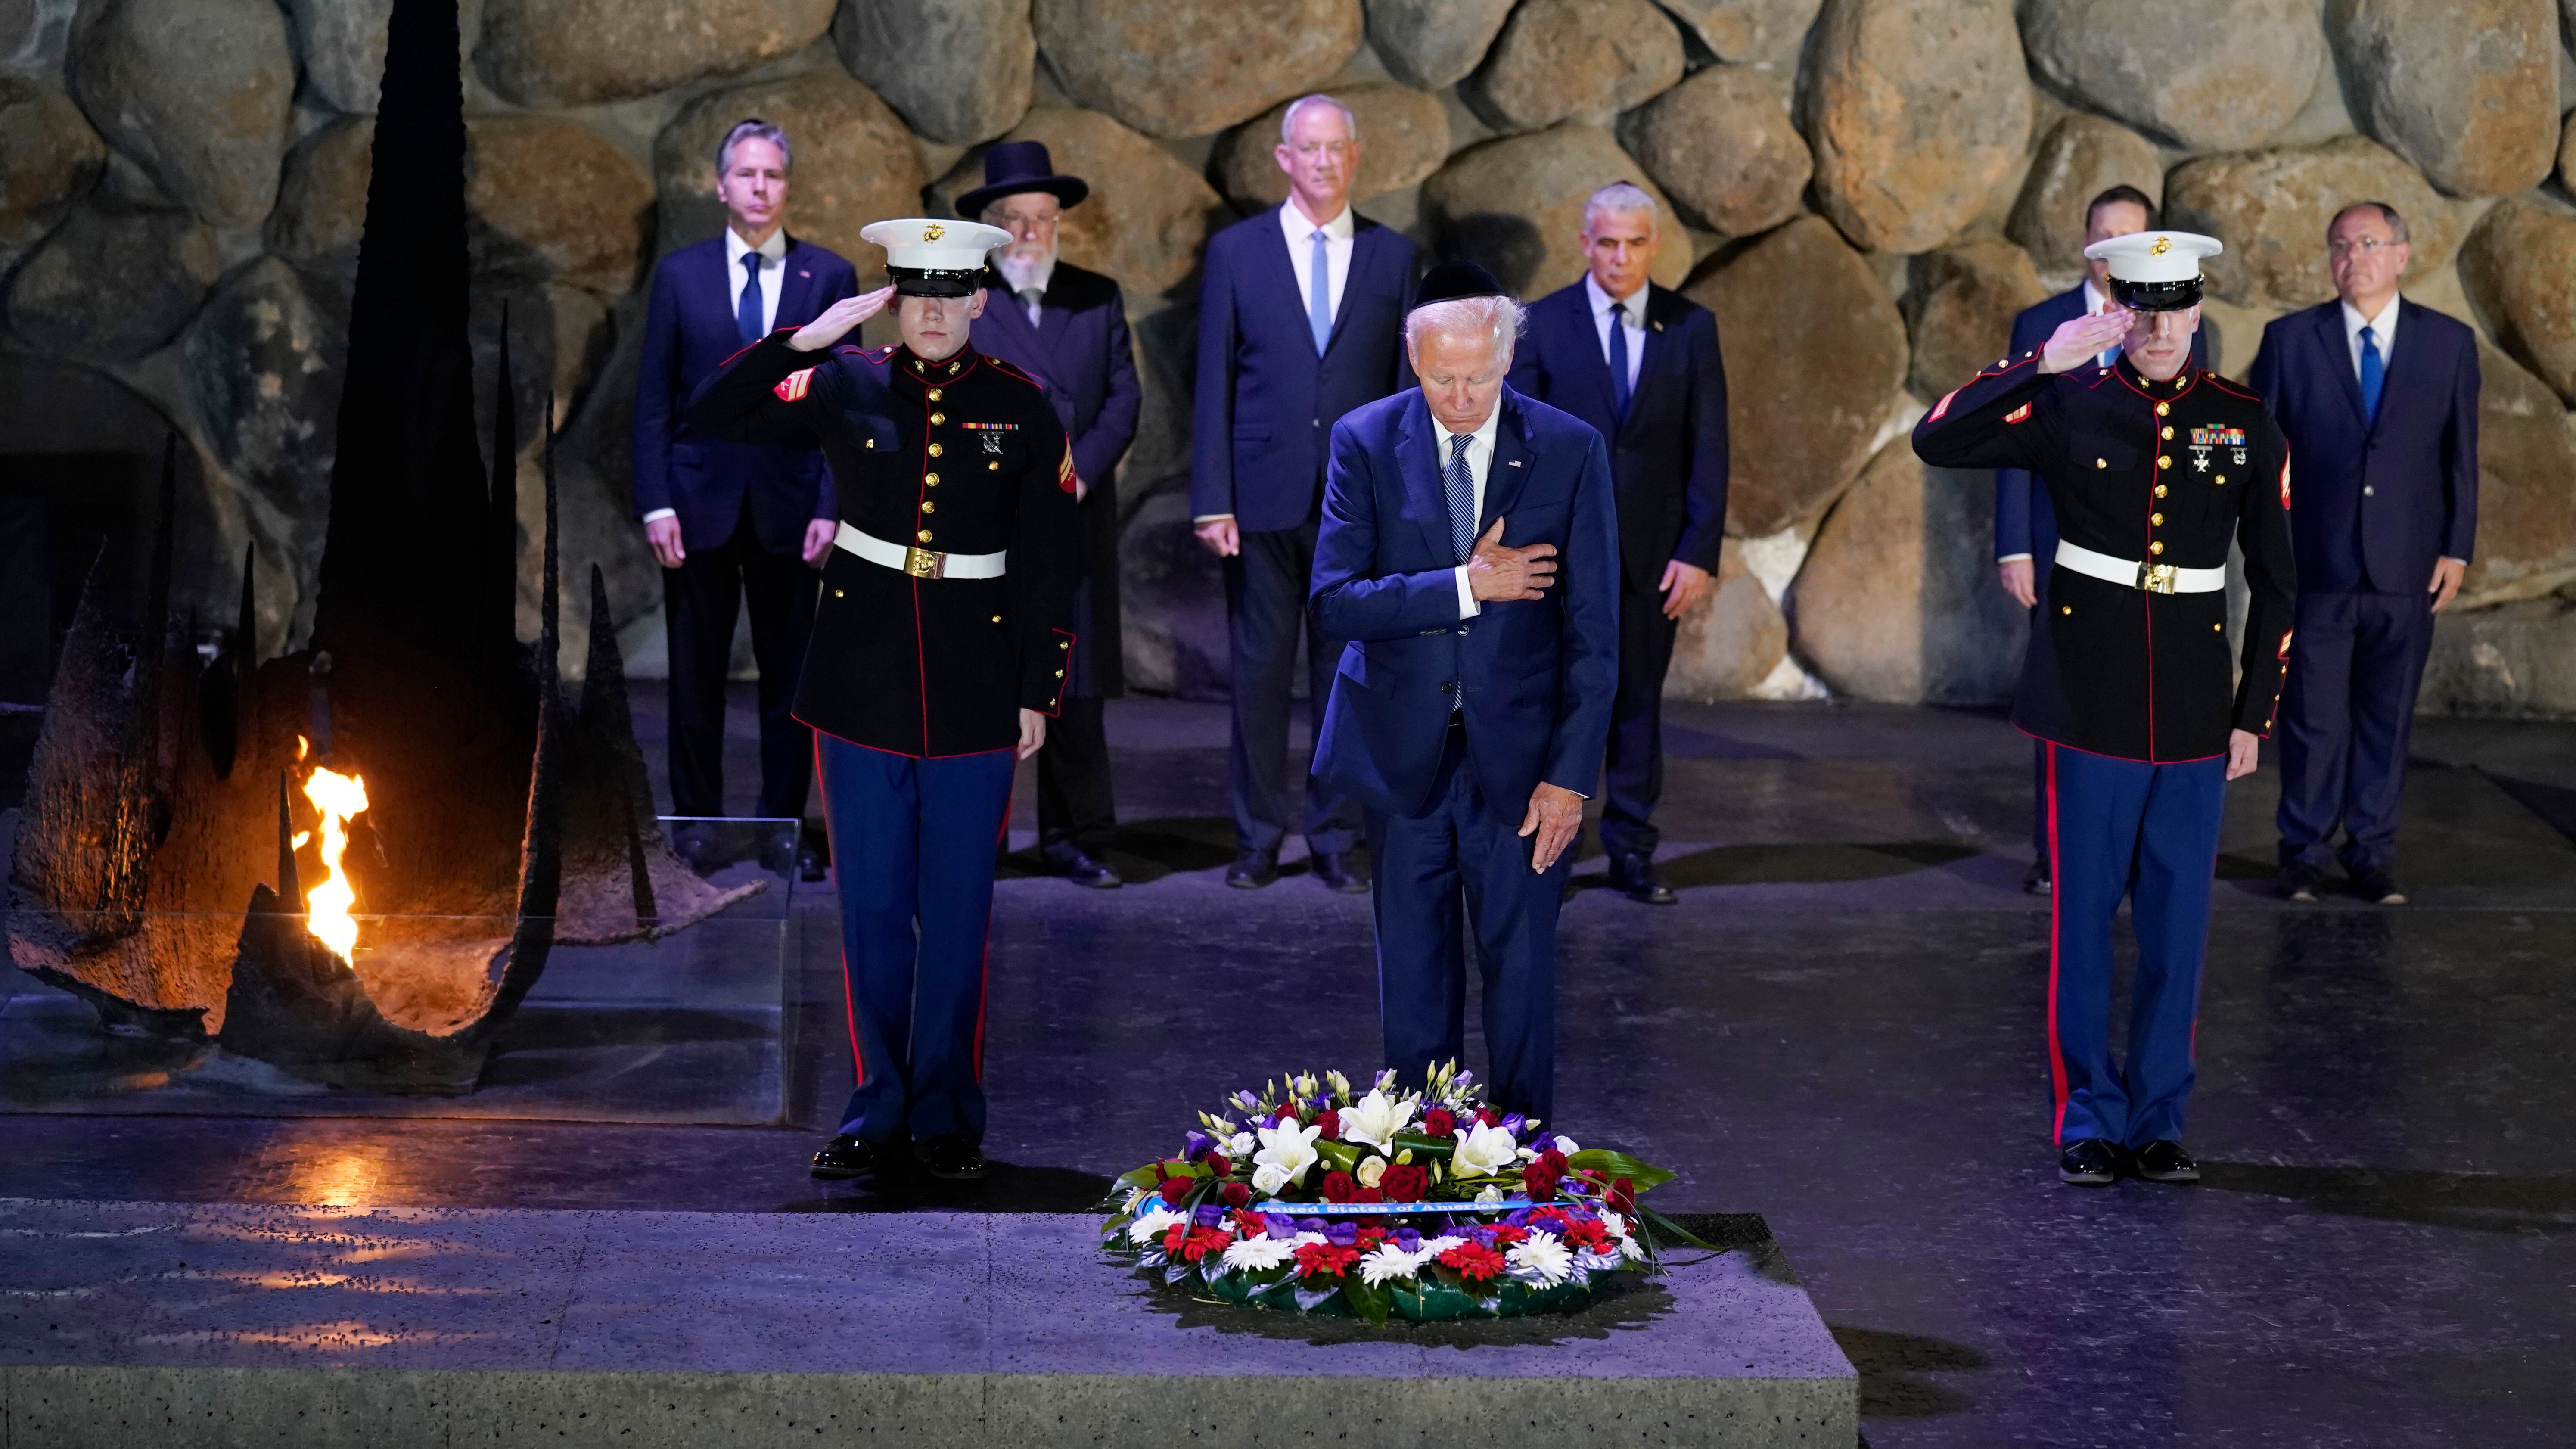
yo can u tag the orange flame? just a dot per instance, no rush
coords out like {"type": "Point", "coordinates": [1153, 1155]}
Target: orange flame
{"type": "Point", "coordinates": [337, 797]}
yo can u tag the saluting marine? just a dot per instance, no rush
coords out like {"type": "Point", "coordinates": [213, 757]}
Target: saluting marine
{"type": "Point", "coordinates": [2153, 466]}
{"type": "Point", "coordinates": [939, 650]}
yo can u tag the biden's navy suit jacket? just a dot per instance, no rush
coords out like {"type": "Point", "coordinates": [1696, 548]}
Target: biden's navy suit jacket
{"type": "Point", "coordinates": [1266, 402]}
{"type": "Point", "coordinates": [2389, 496]}
{"type": "Point", "coordinates": [1535, 675]}
{"type": "Point", "coordinates": [2023, 521]}
{"type": "Point", "coordinates": [689, 333]}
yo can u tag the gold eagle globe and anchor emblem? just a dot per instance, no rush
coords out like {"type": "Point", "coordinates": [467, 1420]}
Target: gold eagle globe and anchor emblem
{"type": "Point", "coordinates": [933, 232]}
{"type": "Point", "coordinates": [2163, 245]}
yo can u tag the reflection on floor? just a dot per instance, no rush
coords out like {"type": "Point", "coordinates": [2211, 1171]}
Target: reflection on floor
{"type": "Point", "coordinates": [1838, 1027]}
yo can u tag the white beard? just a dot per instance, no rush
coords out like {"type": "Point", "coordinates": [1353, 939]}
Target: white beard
{"type": "Point", "coordinates": [1024, 272]}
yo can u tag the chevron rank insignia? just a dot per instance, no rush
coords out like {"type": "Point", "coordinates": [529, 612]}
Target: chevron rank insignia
{"type": "Point", "coordinates": [792, 388]}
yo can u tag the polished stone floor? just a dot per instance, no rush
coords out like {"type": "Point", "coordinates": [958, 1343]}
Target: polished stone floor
{"type": "Point", "coordinates": [1838, 1027]}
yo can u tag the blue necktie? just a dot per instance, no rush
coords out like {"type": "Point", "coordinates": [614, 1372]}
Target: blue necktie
{"type": "Point", "coordinates": [746, 313]}
{"type": "Point", "coordinates": [2374, 376]}
{"type": "Point", "coordinates": [1319, 295]}
{"type": "Point", "coordinates": [1462, 497]}
{"type": "Point", "coordinates": [1619, 358]}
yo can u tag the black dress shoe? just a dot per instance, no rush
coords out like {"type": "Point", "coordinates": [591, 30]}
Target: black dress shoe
{"type": "Point", "coordinates": [952, 1158]}
{"type": "Point", "coordinates": [1333, 868]}
{"type": "Point", "coordinates": [2034, 881]}
{"type": "Point", "coordinates": [2298, 883]}
{"type": "Point", "coordinates": [1252, 870]}
{"type": "Point", "coordinates": [1078, 866]}
{"type": "Point", "coordinates": [1633, 876]}
{"type": "Point", "coordinates": [2162, 1161]}
{"type": "Point", "coordinates": [846, 1156]}
{"type": "Point", "coordinates": [2376, 887]}
{"type": "Point", "coordinates": [2088, 1162]}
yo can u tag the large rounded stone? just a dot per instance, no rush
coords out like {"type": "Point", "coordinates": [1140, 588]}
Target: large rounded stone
{"type": "Point", "coordinates": [1433, 44]}
{"type": "Point", "coordinates": [2272, 208]}
{"type": "Point", "coordinates": [1171, 595]}
{"type": "Point", "coordinates": [1961, 310]}
{"type": "Point", "coordinates": [1404, 136]}
{"type": "Point", "coordinates": [1768, 31]}
{"type": "Point", "coordinates": [2517, 660]}
{"type": "Point", "coordinates": [2465, 89]}
{"type": "Point", "coordinates": [198, 91]}
{"type": "Point", "coordinates": [112, 283]}
{"type": "Point", "coordinates": [1732, 641]}
{"type": "Point", "coordinates": [2205, 74]}
{"type": "Point", "coordinates": [958, 70]}
{"type": "Point", "coordinates": [1916, 110]}
{"type": "Point", "coordinates": [1897, 600]}
{"type": "Point", "coordinates": [1189, 67]}
{"type": "Point", "coordinates": [1566, 58]}
{"type": "Point", "coordinates": [1723, 147]}
{"type": "Point", "coordinates": [322, 198]}
{"type": "Point", "coordinates": [1818, 354]}
{"type": "Point", "coordinates": [1147, 215]}
{"type": "Point", "coordinates": [580, 52]}
{"type": "Point", "coordinates": [2567, 149]}
{"type": "Point", "coordinates": [2526, 486]}
{"type": "Point", "coordinates": [2519, 266]}
{"type": "Point", "coordinates": [855, 163]}
{"type": "Point", "coordinates": [343, 46]}
{"type": "Point", "coordinates": [2081, 157]}
{"type": "Point", "coordinates": [552, 199]}
{"type": "Point", "coordinates": [1516, 206]}
{"type": "Point", "coordinates": [49, 156]}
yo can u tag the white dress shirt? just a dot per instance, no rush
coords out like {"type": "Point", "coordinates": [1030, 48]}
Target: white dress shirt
{"type": "Point", "coordinates": [773, 278]}
{"type": "Point", "coordinates": [1480, 461]}
{"type": "Point", "coordinates": [1635, 326]}
{"type": "Point", "coordinates": [2383, 330]}
{"type": "Point", "coordinates": [1301, 253]}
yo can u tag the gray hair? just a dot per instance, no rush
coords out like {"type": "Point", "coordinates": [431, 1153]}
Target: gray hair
{"type": "Point", "coordinates": [2387, 213]}
{"type": "Point", "coordinates": [1499, 318]}
{"type": "Point", "coordinates": [753, 129]}
{"type": "Point", "coordinates": [1288, 117]}
{"type": "Point", "coordinates": [1621, 197]}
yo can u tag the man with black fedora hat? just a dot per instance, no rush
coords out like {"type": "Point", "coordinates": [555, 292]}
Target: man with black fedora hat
{"type": "Point", "coordinates": [1067, 328]}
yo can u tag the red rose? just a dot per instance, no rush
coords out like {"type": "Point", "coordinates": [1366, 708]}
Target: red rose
{"type": "Point", "coordinates": [1221, 1165]}
{"type": "Point", "coordinates": [1235, 1194]}
{"type": "Point", "coordinates": [1623, 1196]}
{"type": "Point", "coordinates": [1439, 1122]}
{"type": "Point", "coordinates": [1161, 1172]}
{"type": "Point", "coordinates": [1490, 1117]}
{"type": "Point", "coordinates": [1371, 1194]}
{"type": "Point", "coordinates": [1176, 1190]}
{"type": "Point", "coordinates": [1473, 1263]}
{"type": "Point", "coordinates": [1537, 1182]}
{"type": "Point", "coordinates": [1404, 1182]}
{"type": "Point", "coordinates": [1330, 1123]}
{"type": "Point", "coordinates": [1338, 1187]}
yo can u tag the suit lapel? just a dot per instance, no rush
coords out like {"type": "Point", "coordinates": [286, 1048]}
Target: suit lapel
{"type": "Point", "coordinates": [1417, 458]}
{"type": "Point", "coordinates": [1364, 243]}
{"type": "Point", "coordinates": [1659, 309]}
{"type": "Point", "coordinates": [1511, 467]}
{"type": "Point", "coordinates": [2397, 363]}
{"type": "Point", "coordinates": [1053, 317]}
{"type": "Point", "coordinates": [2339, 362]}
{"type": "Point", "coordinates": [1584, 331]}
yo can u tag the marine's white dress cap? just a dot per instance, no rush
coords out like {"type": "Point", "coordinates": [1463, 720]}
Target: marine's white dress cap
{"type": "Point", "coordinates": [2155, 271]}
{"type": "Point", "coordinates": [931, 258]}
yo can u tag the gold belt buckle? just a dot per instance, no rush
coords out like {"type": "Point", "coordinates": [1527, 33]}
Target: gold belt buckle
{"type": "Point", "coordinates": [2156, 578]}
{"type": "Point", "coordinates": [921, 563]}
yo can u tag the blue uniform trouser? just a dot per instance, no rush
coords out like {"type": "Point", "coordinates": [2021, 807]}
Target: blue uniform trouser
{"type": "Point", "coordinates": [913, 843]}
{"type": "Point", "coordinates": [2347, 712]}
{"type": "Point", "coordinates": [2126, 828]}
{"type": "Point", "coordinates": [1461, 866]}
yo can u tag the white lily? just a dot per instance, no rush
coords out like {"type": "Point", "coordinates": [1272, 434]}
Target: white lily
{"type": "Point", "coordinates": [1289, 1148]}
{"type": "Point", "coordinates": [1376, 1118]}
{"type": "Point", "coordinates": [1252, 1255]}
{"type": "Point", "coordinates": [1542, 1256]}
{"type": "Point", "coordinates": [1482, 1151]}
{"type": "Point", "coordinates": [1151, 1227]}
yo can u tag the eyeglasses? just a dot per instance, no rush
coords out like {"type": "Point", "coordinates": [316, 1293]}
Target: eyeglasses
{"type": "Point", "coordinates": [2367, 246]}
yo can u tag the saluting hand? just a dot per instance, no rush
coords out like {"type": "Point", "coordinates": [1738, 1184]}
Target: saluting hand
{"type": "Point", "coordinates": [2079, 340]}
{"type": "Point", "coordinates": [839, 319]}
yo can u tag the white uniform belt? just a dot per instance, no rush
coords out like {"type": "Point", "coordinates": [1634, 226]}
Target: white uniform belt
{"type": "Point", "coordinates": [2155, 578]}
{"type": "Point", "coordinates": [920, 563]}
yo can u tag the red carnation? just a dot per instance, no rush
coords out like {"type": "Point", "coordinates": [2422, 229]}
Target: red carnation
{"type": "Point", "coordinates": [1490, 1117]}
{"type": "Point", "coordinates": [1338, 1187]}
{"type": "Point", "coordinates": [1623, 1196]}
{"type": "Point", "coordinates": [1251, 1225]}
{"type": "Point", "coordinates": [1404, 1182]}
{"type": "Point", "coordinates": [1324, 1260]}
{"type": "Point", "coordinates": [1176, 1190]}
{"type": "Point", "coordinates": [1473, 1263]}
{"type": "Point", "coordinates": [1537, 1182]}
{"type": "Point", "coordinates": [1554, 1159]}
{"type": "Point", "coordinates": [1330, 1123]}
{"type": "Point", "coordinates": [1371, 1194]}
{"type": "Point", "coordinates": [1235, 1194]}
{"type": "Point", "coordinates": [1221, 1165]}
{"type": "Point", "coordinates": [1439, 1122]}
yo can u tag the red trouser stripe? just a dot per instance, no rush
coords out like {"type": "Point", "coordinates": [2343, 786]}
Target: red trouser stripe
{"type": "Point", "coordinates": [984, 983]}
{"type": "Point", "coordinates": [849, 999]}
{"type": "Point", "coordinates": [2056, 894]}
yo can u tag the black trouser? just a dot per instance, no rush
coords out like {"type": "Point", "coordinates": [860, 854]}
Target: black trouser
{"type": "Point", "coordinates": [698, 600]}
{"type": "Point", "coordinates": [2347, 712]}
{"type": "Point", "coordinates": [1074, 800]}
{"type": "Point", "coordinates": [1634, 769]}
{"type": "Point", "coordinates": [1265, 609]}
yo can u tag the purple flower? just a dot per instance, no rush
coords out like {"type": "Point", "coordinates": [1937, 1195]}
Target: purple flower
{"type": "Point", "coordinates": [1279, 1225]}
{"type": "Point", "coordinates": [1247, 1101]}
{"type": "Point", "coordinates": [1542, 1142]}
{"type": "Point", "coordinates": [1407, 1239]}
{"type": "Point", "coordinates": [1343, 1234]}
{"type": "Point", "coordinates": [1209, 1214]}
{"type": "Point", "coordinates": [1519, 1218]}
{"type": "Point", "coordinates": [1312, 1225]}
{"type": "Point", "coordinates": [1514, 1123]}
{"type": "Point", "coordinates": [1483, 1237]}
{"type": "Point", "coordinates": [1197, 1145]}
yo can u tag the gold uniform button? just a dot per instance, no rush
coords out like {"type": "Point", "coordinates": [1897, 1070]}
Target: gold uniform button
{"type": "Point", "coordinates": [2163, 408]}
{"type": "Point", "coordinates": [2101, 462]}
{"type": "Point", "coordinates": [870, 443]}
{"type": "Point", "coordinates": [934, 394]}
{"type": "Point", "coordinates": [1059, 674]}
{"type": "Point", "coordinates": [929, 507]}
{"type": "Point", "coordinates": [2160, 490]}
{"type": "Point", "coordinates": [2157, 519]}
{"type": "Point", "coordinates": [2222, 480]}
{"type": "Point", "coordinates": [924, 535]}
{"type": "Point", "coordinates": [992, 467]}
{"type": "Point", "coordinates": [930, 478]}
{"type": "Point", "coordinates": [2164, 460]}
{"type": "Point", "coordinates": [2151, 548]}
{"type": "Point", "coordinates": [997, 618]}
{"type": "Point", "coordinates": [934, 448]}
{"type": "Point", "coordinates": [2066, 608]}
{"type": "Point", "coordinates": [937, 418]}
{"type": "Point", "coordinates": [2168, 433]}
{"type": "Point", "coordinates": [836, 593]}
{"type": "Point", "coordinates": [2218, 628]}
{"type": "Point", "coordinates": [1060, 644]}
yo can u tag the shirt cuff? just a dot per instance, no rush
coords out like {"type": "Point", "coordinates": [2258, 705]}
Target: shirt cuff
{"type": "Point", "coordinates": [2013, 558]}
{"type": "Point", "coordinates": [1468, 608]}
{"type": "Point", "coordinates": [661, 513]}
{"type": "Point", "coordinates": [2446, 558]}
{"type": "Point", "coordinates": [1208, 517]}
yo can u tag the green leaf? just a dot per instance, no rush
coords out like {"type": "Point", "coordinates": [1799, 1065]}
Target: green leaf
{"type": "Point", "coordinates": [1616, 1165]}
{"type": "Point", "coordinates": [1370, 1303]}
{"type": "Point", "coordinates": [1141, 1177]}
{"type": "Point", "coordinates": [1343, 1156]}
{"type": "Point", "coordinates": [1425, 1146]}
{"type": "Point", "coordinates": [1667, 1226]}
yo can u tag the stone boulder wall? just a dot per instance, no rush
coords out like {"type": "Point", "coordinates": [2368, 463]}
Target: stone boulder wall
{"type": "Point", "coordinates": [1404, 136]}
{"type": "Point", "coordinates": [197, 91]}
{"type": "Point", "coordinates": [1564, 59]}
{"type": "Point", "coordinates": [2519, 268]}
{"type": "Point", "coordinates": [1431, 45]}
{"type": "Point", "coordinates": [1897, 600]}
{"type": "Point", "coordinates": [113, 282]}
{"type": "Point", "coordinates": [855, 163]}
{"type": "Point", "coordinates": [322, 198]}
{"type": "Point", "coordinates": [2272, 209]}
{"type": "Point", "coordinates": [49, 157]}
{"type": "Point", "coordinates": [959, 71]}
{"type": "Point", "coordinates": [1147, 217]}
{"type": "Point", "coordinates": [583, 52]}
{"type": "Point", "coordinates": [2526, 487]}
{"type": "Point", "coordinates": [551, 199]}
{"type": "Point", "coordinates": [2465, 89]}
{"type": "Point", "coordinates": [1171, 592]}
{"type": "Point", "coordinates": [1190, 67]}
{"type": "Point", "coordinates": [342, 43]}
{"type": "Point", "coordinates": [1917, 109]}
{"type": "Point", "coordinates": [1766, 31]}
{"type": "Point", "coordinates": [1723, 146]}
{"type": "Point", "coordinates": [1817, 354]}
{"type": "Point", "coordinates": [2081, 157]}
{"type": "Point", "coordinates": [2207, 75]}
{"type": "Point", "coordinates": [1960, 310]}
{"type": "Point", "coordinates": [2567, 150]}
{"type": "Point", "coordinates": [1515, 205]}
{"type": "Point", "coordinates": [1732, 641]}
{"type": "Point", "coordinates": [2516, 660]}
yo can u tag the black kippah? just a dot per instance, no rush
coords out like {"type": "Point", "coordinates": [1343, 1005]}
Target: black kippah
{"type": "Point", "coordinates": [1450, 281]}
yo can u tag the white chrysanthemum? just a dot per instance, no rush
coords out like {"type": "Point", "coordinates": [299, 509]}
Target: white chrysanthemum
{"type": "Point", "coordinates": [1376, 1118]}
{"type": "Point", "coordinates": [1252, 1255]}
{"type": "Point", "coordinates": [1269, 1178]}
{"type": "Point", "coordinates": [1433, 1247]}
{"type": "Point", "coordinates": [1617, 1225]}
{"type": "Point", "coordinates": [1152, 1226]}
{"type": "Point", "coordinates": [1632, 1250]}
{"type": "Point", "coordinates": [1289, 1148]}
{"type": "Point", "coordinates": [1482, 1151]}
{"type": "Point", "coordinates": [1389, 1262]}
{"type": "Point", "coordinates": [1542, 1258]}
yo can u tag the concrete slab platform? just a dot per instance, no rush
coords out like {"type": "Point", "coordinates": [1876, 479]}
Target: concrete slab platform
{"type": "Point", "coordinates": [185, 1325]}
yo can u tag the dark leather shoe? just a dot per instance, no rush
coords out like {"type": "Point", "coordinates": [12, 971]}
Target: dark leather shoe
{"type": "Point", "coordinates": [2088, 1162]}
{"type": "Point", "coordinates": [1633, 876]}
{"type": "Point", "coordinates": [1333, 868]}
{"type": "Point", "coordinates": [952, 1158]}
{"type": "Point", "coordinates": [1078, 866]}
{"type": "Point", "coordinates": [2162, 1161]}
{"type": "Point", "coordinates": [2034, 881]}
{"type": "Point", "coordinates": [1252, 870]}
{"type": "Point", "coordinates": [2376, 887]}
{"type": "Point", "coordinates": [2298, 883]}
{"type": "Point", "coordinates": [845, 1157]}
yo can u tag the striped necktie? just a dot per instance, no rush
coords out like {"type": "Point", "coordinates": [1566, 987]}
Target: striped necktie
{"type": "Point", "coordinates": [1462, 497]}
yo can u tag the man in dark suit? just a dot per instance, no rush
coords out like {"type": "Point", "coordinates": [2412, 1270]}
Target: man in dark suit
{"type": "Point", "coordinates": [2379, 397]}
{"type": "Point", "coordinates": [1067, 328]}
{"type": "Point", "coordinates": [1299, 312]}
{"type": "Point", "coordinates": [1641, 365]}
{"type": "Point", "coordinates": [1470, 552]}
{"type": "Point", "coordinates": [733, 522]}
{"type": "Point", "coordinates": [2025, 527]}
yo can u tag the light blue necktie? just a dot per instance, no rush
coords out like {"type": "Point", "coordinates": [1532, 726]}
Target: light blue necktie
{"type": "Point", "coordinates": [746, 313]}
{"type": "Point", "coordinates": [2374, 376]}
{"type": "Point", "coordinates": [1619, 358]}
{"type": "Point", "coordinates": [1462, 497]}
{"type": "Point", "coordinates": [1319, 295]}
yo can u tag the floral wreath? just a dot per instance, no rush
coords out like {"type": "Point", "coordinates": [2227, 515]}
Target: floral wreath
{"type": "Point", "coordinates": [1428, 1205]}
